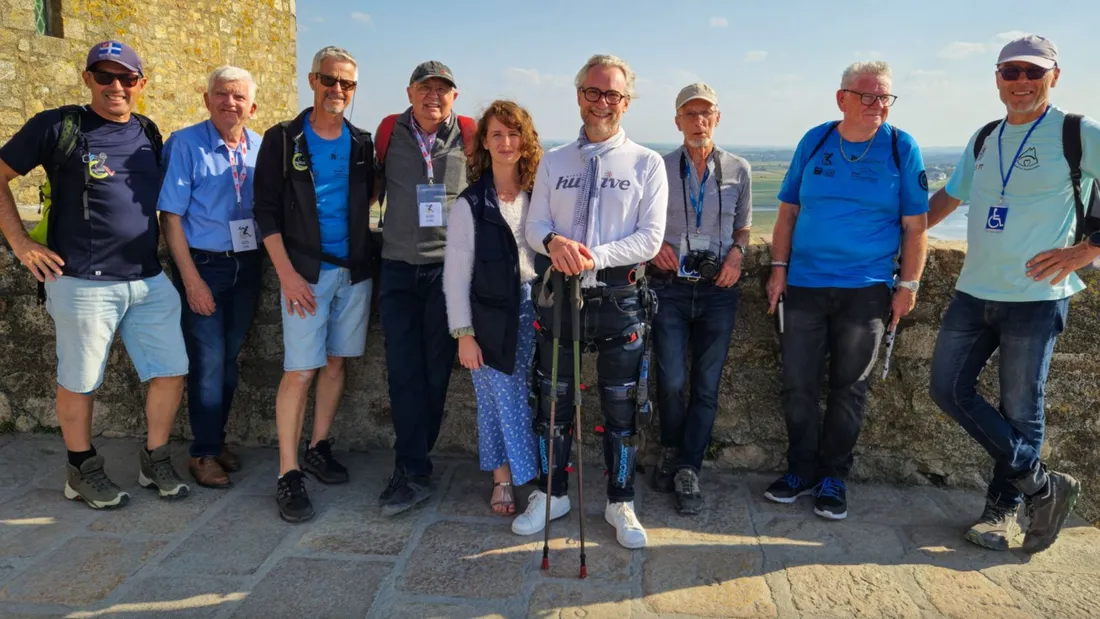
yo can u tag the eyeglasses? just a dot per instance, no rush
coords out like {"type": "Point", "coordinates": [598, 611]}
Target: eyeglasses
{"type": "Point", "coordinates": [869, 98]}
{"type": "Point", "coordinates": [440, 90]}
{"type": "Point", "coordinates": [705, 115]}
{"type": "Point", "coordinates": [595, 94]}
{"type": "Point", "coordinates": [106, 78]}
{"type": "Point", "coordinates": [328, 81]}
{"type": "Point", "coordinates": [1011, 74]}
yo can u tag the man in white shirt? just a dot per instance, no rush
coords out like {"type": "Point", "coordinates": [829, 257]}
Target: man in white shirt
{"type": "Point", "coordinates": [598, 212]}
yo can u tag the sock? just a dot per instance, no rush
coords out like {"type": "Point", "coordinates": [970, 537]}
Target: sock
{"type": "Point", "coordinates": [148, 451]}
{"type": "Point", "coordinates": [76, 458]}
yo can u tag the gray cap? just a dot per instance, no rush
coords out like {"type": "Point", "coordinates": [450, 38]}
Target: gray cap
{"type": "Point", "coordinates": [1031, 48]}
{"type": "Point", "coordinates": [698, 90]}
{"type": "Point", "coordinates": [432, 68]}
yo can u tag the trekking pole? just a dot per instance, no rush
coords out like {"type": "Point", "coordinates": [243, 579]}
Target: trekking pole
{"type": "Point", "coordinates": [558, 282]}
{"type": "Point", "coordinates": [576, 316]}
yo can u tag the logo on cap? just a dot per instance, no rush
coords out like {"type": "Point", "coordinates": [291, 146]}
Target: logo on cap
{"type": "Point", "coordinates": [110, 48]}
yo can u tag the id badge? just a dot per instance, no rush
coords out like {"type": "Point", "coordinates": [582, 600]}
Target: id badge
{"type": "Point", "coordinates": [995, 221]}
{"type": "Point", "coordinates": [243, 233]}
{"type": "Point", "coordinates": [432, 200]}
{"type": "Point", "coordinates": [698, 241]}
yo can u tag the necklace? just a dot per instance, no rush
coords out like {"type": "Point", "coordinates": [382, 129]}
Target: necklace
{"type": "Point", "coordinates": [865, 151]}
{"type": "Point", "coordinates": [507, 195]}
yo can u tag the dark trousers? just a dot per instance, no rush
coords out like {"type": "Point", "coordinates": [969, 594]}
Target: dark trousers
{"type": "Point", "coordinates": [846, 324]}
{"type": "Point", "coordinates": [695, 320]}
{"type": "Point", "coordinates": [420, 353]}
{"type": "Point", "coordinates": [1025, 332]}
{"type": "Point", "coordinates": [213, 342]}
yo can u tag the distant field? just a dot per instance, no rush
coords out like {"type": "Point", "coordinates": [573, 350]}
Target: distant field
{"type": "Point", "coordinates": [766, 180]}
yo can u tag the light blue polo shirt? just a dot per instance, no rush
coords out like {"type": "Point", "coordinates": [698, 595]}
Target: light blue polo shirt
{"type": "Point", "coordinates": [1039, 212]}
{"type": "Point", "coordinates": [198, 184]}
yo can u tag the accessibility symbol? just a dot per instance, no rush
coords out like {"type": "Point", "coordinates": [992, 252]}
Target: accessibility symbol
{"type": "Point", "coordinates": [998, 215]}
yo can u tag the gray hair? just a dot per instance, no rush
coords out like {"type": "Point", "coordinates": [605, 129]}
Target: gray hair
{"type": "Point", "coordinates": [876, 68]}
{"type": "Point", "coordinates": [228, 73]}
{"type": "Point", "coordinates": [336, 53]}
{"type": "Point", "coordinates": [606, 60]}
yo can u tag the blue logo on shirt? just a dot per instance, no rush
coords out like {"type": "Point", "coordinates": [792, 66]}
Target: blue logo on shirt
{"type": "Point", "coordinates": [998, 215]}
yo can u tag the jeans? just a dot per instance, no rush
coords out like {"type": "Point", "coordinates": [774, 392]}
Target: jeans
{"type": "Point", "coordinates": [696, 319]}
{"type": "Point", "coordinates": [847, 324]}
{"type": "Point", "coordinates": [213, 342]}
{"type": "Point", "coordinates": [420, 353]}
{"type": "Point", "coordinates": [1025, 332]}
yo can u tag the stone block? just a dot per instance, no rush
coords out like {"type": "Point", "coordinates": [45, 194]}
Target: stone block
{"type": "Point", "coordinates": [963, 594]}
{"type": "Point", "coordinates": [468, 561]}
{"type": "Point", "coordinates": [236, 542]}
{"type": "Point", "coordinates": [562, 600]}
{"type": "Point", "coordinates": [1066, 596]}
{"type": "Point", "coordinates": [812, 540]}
{"type": "Point", "coordinates": [182, 596]}
{"type": "Point", "coordinates": [706, 581]}
{"type": "Point", "coordinates": [357, 531]}
{"type": "Point", "coordinates": [857, 591]}
{"type": "Point", "coordinates": [300, 587]}
{"type": "Point", "coordinates": [418, 610]}
{"type": "Point", "coordinates": [31, 523]}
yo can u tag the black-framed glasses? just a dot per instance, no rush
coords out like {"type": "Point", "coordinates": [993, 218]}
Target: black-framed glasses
{"type": "Point", "coordinates": [869, 98]}
{"type": "Point", "coordinates": [593, 94]}
{"type": "Point", "coordinates": [1011, 74]}
{"type": "Point", "coordinates": [329, 81]}
{"type": "Point", "coordinates": [106, 78]}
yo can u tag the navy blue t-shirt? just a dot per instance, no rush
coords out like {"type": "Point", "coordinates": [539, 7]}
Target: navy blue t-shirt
{"type": "Point", "coordinates": [117, 239]}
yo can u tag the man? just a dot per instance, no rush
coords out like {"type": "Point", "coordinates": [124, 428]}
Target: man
{"type": "Point", "coordinates": [206, 212]}
{"type": "Point", "coordinates": [855, 194]}
{"type": "Point", "coordinates": [698, 268]}
{"type": "Point", "coordinates": [1025, 242]}
{"type": "Point", "coordinates": [598, 212]}
{"type": "Point", "coordinates": [103, 166]}
{"type": "Point", "coordinates": [422, 169]}
{"type": "Point", "coordinates": [314, 180]}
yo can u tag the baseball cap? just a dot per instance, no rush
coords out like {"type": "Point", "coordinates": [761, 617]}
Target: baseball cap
{"type": "Point", "coordinates": [432, 68]}
{"type": "Point", "coordinates": [698, 90]}
{"type": "Point", "coordinates": [114, 51]}
{"type": "Point", "coordinates": [1037, 50]}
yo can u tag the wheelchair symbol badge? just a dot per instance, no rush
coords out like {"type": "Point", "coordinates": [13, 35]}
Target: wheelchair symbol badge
{"type": "Point", "coordinates": [995, 222]}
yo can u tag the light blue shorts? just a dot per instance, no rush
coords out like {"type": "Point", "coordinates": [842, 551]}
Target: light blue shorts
{"type": "Point", "coordinates": [338, 329]}
{"type": "Point", "coordinates": [86, 313]}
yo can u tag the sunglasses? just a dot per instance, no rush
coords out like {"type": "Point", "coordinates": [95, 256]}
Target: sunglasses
{"type": "Point", "coordinates": [1011, 74]}
{"type": "Point", "coordinates": [106, 78]}
{"type": "Point", "coordinates": [328, 82]}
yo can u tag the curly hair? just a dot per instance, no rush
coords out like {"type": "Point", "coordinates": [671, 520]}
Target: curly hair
{"type": "Point", "coordinates": [513, 116]}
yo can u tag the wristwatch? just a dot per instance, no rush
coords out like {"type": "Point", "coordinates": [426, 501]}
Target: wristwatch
{"type": "Point", "coordinates": [914, 286]}
{"type": "Point", "coordinates": [1094, 239]}
{"type": "Point", "coordinates": [549, 237]}
{"type": "Point", "coordinates": [744, 252]}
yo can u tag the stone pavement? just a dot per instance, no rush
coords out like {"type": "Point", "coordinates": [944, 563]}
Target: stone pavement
{"type": "Point", "coordinates": [227, 554]}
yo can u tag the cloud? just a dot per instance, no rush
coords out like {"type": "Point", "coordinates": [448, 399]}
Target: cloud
{"type": "Point", "coordinates": [1005, 37]}
{"type": "Point", "coordinates": [531, 78]}
{"type": "Point", "coordinates": [958, 50]}
{"type": "Point", "coordinates": [363, 18]}
{"type": "Point", "coordinates": [719, 22]}
{"type": "Point", "coordinates": [318, 20]}
{"type": "Point", "coordinates": [756, 56]}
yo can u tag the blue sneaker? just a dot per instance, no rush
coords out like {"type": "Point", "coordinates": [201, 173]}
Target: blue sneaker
{"type": "Point", "coordinates": [787, 489]}
{"type": "Point", "coordinates": [831, 499]}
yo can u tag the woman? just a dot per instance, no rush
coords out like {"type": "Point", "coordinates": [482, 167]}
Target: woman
{"type": "Point", "coordinates": [487, 273]}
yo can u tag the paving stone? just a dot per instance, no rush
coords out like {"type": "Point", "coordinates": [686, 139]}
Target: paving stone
{"type": "Point", "coordinates": [236, 541]}
{"type": "Point", "coordinates": [469, 491]}
{"type": "Point", "coordinates": [468, 561]}
{"type": "Point", "coordinates": [300, 587]}
{"type": "Point", "coordinates": [607, 561]}
{"type": "Point", "coordinates": [179, 597]}
{"type": "Point", "coordinates": [357, 531]}
{"type": "Point", "coordinates": [149, 514]}
{"type": "Point", "coordinates": [120, 462]}
{"type": "Point", "coordinates": [82, 571]}
{"type": "Point", "coordinates": [560, 600]}
{"type": "Point", "coordinates": [706, 581]}
{"type": "Point", "coordinates": [1066, 596]}
{"type": "Point", "coordinates": [725, 517]}
{"type": "Point", "coordinates": [32, 522]}
{"type": "Point", "coordinates": [946, 547]}
{"type": "Point", "coordinates": [894, 505]}
{"type": "Point", "coordinates": [415, 610]}
{"type": "Point", "coordinates": [963, 594]}
{"type": "Point", "coordinates": [1077, 550]}
{"type": "Point", "coordinates": [859, 592]}
{"type": "Point", "coordinates": [803, 541]}
{"type": "Point", "coordinates": [29, 458]}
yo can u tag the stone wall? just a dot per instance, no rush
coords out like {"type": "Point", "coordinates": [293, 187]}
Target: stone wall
{"type": "Point", "coordinates": [179, 42]}
{"type": "Point", "coordinates": [906, 438]}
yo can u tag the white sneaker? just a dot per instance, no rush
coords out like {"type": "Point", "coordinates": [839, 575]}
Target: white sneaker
{"type": "Point", "coordinates": [628, 531]}
{"type": "Point", "coordinates": [534, 519]}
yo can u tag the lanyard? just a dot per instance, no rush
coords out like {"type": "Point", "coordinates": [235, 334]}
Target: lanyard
{"type": "Point", "coordinates": [239, 177]}
{"type": "Point", "coordinates": [425, 152]}
{"type": "Point", "coordinates": [1000, 155]}
{"type": "Point", "coordinates": [697, 200]}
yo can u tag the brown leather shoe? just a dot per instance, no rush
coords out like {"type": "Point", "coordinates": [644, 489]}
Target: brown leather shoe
{"type": "Point", "coordinates": [229, 460]}
{"type": "Point", "coordinates": [208, 472]}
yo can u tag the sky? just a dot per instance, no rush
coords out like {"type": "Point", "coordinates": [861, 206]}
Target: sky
{"type": "Point", "coordinates": [775, 64]}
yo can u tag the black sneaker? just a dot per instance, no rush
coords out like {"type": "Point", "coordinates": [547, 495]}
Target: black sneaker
{"type": "Point", "coordinates": [290, 494]}
{"type": "Point", "coordinates": [995, 529]}
{"type": "Point", "coordinates": [665, 472]}
{"type": "Point", "coordinates": [831, 499]}
{"type": "Point", "coordinates": [1047, 511]}
{"type": "Point", "coordinates": [403, 492]}
{"type": "Point", "coordinates": [320, 463]}
{"type": "Point", "coordinates": [689, 500]}
{"type": "Point", "coordinates": [788, 488]}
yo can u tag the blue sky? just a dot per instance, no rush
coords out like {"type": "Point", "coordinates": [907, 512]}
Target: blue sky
{"type": "Point", "coordinates": [775, 65]}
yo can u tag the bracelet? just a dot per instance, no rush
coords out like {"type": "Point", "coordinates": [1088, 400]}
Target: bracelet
{"type": "Point", "coordinates": [459, 332]}
{"type": "Point", "coordinates": [780, 263]}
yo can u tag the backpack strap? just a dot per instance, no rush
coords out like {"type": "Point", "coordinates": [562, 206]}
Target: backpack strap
{"type": "Point", "coordinates": [152, 133]}
{"type": "Point", "coordinates": [1071, 148]}
{"type": "Point", "coordinates": [984, 133]}
{"type": "Point", "coordinates": [382, 137]}
{"type": "Point", "coordinates": [67, 136]}
{"type": "Point", "coordinates": [894, 147]}
{"type": "Point", "coordinates": [821, 142]}
{"type": "Point", "coordinates": [285, 128]}
{"type": "Point", "coordinates": [468, 126]}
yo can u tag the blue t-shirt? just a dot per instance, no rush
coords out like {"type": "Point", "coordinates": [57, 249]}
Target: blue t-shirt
{"type": "Point", "coordinates": [848, 230]}
{"type": "Point", "coordinates": [329, 160]}
{"type": "Point", "coordinates": [118, 239]}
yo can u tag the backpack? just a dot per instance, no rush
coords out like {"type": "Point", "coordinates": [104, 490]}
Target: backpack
{"type": "Point", "coordinates": [467, 125]}
{"type": "Point", "coordinates": [1088, 218]}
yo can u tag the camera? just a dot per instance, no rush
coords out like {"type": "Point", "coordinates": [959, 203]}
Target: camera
{"type": "Point", "coordinates": [702, 261]}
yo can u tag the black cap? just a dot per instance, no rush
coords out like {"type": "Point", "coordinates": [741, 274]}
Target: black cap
{"type": "Point", "coordinates": [432, 68]}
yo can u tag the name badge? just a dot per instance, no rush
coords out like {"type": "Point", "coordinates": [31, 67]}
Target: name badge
{"type": "Point", "coordinates": [243, 233]}
{"type": "Point", "coordinates": [432, 202]}
{"type": "Point", "coordinates": [698, 241]}
{"type": "Point", "coordinates": [995, 222]}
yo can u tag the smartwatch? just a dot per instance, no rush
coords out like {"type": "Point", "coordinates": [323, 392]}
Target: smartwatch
{"type": "Point", "coordinates": [549, 237]}
{"type": "Point", "coordinates": [1094, 239]}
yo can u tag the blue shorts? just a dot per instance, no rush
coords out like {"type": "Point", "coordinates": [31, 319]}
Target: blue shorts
{"type": "Point", "coordinates": [86, 314]}
{"type": "Point", "coordinates": [338, 329]}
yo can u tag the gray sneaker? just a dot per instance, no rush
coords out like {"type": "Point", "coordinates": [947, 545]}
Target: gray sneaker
{"type": "Point", "coordinates": [1047, 512]}
{"type": "Point", "coordinates": [689, 500]}
{"type": "Point", "coordinates": [90, 484]}
{"type": "Point", "coordinates": [157, 472]}
{"type": "Point", "coordinates": [996, 528]}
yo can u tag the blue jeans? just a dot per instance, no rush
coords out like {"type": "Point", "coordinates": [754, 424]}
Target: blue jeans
{"type": "Point", "coordinates": [1025, 332]}
{"type": "Point", "coordinates": [420, 353]}
{"type": "Point", "coordinates": [213, 342]}
{"type": "Point", "coordinates": [696, 319]}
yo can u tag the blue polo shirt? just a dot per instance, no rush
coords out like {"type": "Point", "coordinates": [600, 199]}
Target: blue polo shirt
{"type": "Point", "coordinates": [117, 239]}
{"type": "Point", "coordinates": [198, 183]}
{"type": "Point", "coordinates": [329, 163]}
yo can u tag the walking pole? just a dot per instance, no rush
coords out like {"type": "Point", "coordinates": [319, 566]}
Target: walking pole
{"type": "Point", "coordinates": [576, 316]}
{"type": "Point", "coordinates": [558, 283]}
